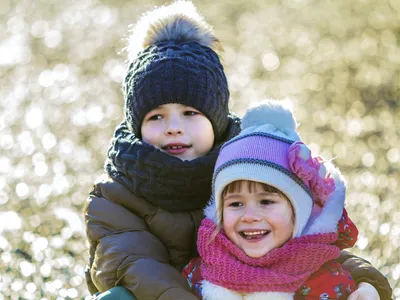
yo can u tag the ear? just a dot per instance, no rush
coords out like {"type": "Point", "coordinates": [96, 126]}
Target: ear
{"type": "Point", "coordinates": [328, 217]}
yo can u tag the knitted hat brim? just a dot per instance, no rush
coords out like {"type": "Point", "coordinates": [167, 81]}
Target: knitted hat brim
{"type": "Point", "coordinates": [186, 89]}
{"type": "Point", "coordinates": [301, 201]}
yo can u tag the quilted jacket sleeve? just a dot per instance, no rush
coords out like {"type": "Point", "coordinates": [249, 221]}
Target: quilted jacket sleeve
{"type": "Point", "coordinates": [126, 253]}
{"type": "Point", "coordinates": [362, 271]}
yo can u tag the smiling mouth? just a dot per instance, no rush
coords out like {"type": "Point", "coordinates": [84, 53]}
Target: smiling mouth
{"type": "Point", "coordinates": [250, 235]}
{"type": "Point", "coordinates": [176, 149]}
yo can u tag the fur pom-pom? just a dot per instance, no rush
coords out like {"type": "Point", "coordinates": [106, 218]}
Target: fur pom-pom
{"type": "Point", "coordinates": [326, 220]}
{"type": "Point", "coordinates": [212, 291]}
{"type": "Point", "coordinates": [178, 21]}
{"type": "Point", "coordinates": [210, 211]}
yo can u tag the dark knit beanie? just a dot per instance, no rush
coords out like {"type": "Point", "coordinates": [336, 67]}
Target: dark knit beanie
{"type": "Point", "coordinates": [178, 65]}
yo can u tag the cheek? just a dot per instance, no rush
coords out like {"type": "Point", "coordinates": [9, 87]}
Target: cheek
{"type": "Point", "coordinates": [280, 217]}
{"type": "Point", "coordinates": [290, 217]}
{"type": "Point", "coordinates": [284, 219]}
{"type": "Point", "coordinates": [207, 132]}
{"type": "Point", "coordinates": [149, 133]}
{"type": "Point", "coordinates": [210, 137]}
{"type": "Point", "coordinates": [228, 222]}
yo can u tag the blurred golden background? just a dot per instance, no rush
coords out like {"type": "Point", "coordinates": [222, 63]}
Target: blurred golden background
{"type": "Point", "coordinates": [61, 67]}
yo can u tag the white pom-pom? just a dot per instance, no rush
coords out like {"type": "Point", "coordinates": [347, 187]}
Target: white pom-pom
{"type": "Point", "coordinates": [274, 112]}
{"type": "Point", "coordinates": [178, 21]}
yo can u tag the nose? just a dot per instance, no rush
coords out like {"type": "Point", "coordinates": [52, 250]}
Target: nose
{"type": "Point", "coordinates": [174, 126]}
{"type": "Point", "coordinates": [251, 214]}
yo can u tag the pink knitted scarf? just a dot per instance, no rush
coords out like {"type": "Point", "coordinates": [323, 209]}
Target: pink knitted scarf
{"type": "Point", "coordinates": [281, 270]}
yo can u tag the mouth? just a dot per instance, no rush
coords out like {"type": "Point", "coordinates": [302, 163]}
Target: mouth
{"type": "Point", "coordinates": [254, 234]}
{"type": "Point", "coordinates": [176, 148]}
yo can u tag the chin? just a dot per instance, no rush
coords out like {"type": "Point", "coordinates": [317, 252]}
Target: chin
{"type": "Point", "coordinates": [185, 158]}
{"type": "Point", "coordinates": [256, 254]}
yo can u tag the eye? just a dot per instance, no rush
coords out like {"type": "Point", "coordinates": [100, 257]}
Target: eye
{"type": "Point", "coordinates": [155, 117]}
{"type": "Point", "coordinates": [235, 204]}
{"type": "Point", "coordinates": [266, 202]}
{"type": "Point", "coordinates": [191, 113]}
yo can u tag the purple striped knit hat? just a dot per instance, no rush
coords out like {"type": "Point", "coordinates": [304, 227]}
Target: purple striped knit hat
{"type": "Point", "coordinates": [269, 150]}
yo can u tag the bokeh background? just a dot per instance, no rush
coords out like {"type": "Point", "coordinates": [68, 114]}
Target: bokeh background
{"type": "Point", "coordinates": [61, 67]}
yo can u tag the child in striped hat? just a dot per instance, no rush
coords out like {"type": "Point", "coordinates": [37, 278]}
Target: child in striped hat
{"type": "Point", "coordinates": [277, 221]}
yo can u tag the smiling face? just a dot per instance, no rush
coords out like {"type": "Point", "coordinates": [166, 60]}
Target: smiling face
{"type": "Point", "coordinates": [178, 130]}
{"type": "Point", "coordinates": [256, 219]}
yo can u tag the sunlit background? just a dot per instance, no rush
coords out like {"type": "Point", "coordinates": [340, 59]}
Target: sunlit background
{"type": "Point", "coordinates": [61, 69]}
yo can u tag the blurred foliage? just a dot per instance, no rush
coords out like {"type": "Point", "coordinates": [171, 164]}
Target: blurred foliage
{"type": "Point", "coordinates": [61, 69]}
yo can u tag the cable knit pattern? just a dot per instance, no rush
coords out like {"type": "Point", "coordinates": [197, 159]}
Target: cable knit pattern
{"type": "Point", "coordinates": [161, 179]}
{"type": "Point", "coordinates": [281, 270]}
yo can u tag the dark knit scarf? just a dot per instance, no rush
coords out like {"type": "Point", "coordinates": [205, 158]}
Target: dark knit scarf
{"type": "Point", "coordinates": [164, 180]}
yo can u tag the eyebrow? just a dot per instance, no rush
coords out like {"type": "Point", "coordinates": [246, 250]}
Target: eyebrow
{"type": "Point", "coordinates": [157, 108]}
{"type": "Point", "coordinates": [238, 195]}
{"type": "Point", "coordinates": [231, 195]}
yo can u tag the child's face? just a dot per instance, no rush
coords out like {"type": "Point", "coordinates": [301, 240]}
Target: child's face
{"type": "Point", "coordinates": [178, 130]}
{"type": "Point", "coordinates": [257, 221]}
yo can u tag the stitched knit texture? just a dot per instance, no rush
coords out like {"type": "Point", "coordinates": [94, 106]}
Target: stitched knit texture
{"type": "Point", "coordinates": [161, 179]}
{"type": "Point", "coordinates": [281, 270]}
{"type": "Point", "coordinates": [177, 72]}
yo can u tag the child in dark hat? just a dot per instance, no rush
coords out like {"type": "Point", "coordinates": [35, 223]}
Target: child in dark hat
{"type": "Point", "coordinates": [143, 214]}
